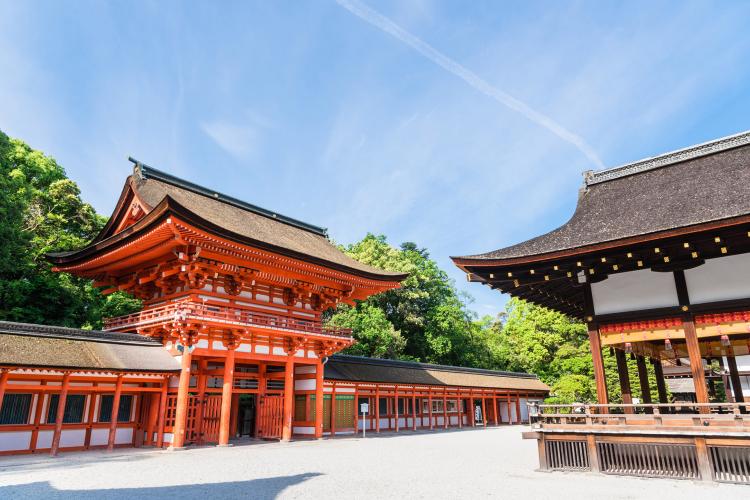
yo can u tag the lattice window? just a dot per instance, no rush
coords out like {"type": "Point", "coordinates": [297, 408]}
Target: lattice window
{"type": "Point", "coordinates": [15, 409]}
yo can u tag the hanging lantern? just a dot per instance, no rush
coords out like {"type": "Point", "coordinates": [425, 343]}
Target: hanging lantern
{"type": "Point", "coordinates": [725, 341]}
{"type": "Point", "coordinates": [628, 348]}
{"type": "Point", "coordinates": [611, 351]}
{"type": "Point", "coordinates": [667, 344]}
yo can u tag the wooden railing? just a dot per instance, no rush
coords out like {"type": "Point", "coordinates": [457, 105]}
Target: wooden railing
{"type": "Point", "coordinates": [709, 442]}
{"type": "Point", "coordinates": [186, 310]}
{"type": "Point", "coordinates": [682, 417]}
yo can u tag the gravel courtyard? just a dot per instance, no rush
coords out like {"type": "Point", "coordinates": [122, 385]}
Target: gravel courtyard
{"type": "Point", "coordinates": [491, 463]}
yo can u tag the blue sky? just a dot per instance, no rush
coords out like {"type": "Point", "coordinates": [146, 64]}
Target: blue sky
{"type": "Point", "coordinates": [344, 121]}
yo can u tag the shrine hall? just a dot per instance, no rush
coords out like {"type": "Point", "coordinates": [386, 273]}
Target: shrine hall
{"type": "Point", "coordinates": [230, 343]}
{"type": "Point", "coordinates": [656, 261]}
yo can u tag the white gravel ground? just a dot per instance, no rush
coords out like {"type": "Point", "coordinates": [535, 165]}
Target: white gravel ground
{"type": "Point", "coordinates": [481, 463]}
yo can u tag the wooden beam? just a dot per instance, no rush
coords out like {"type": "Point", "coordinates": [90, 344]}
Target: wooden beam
{"type": "Point", "coordinates": [114, 414]}
{"type": "Point", "coordinates": [61, 400]}
{"type": "Point", "coordinates": [643, 380]}
{"type": "Point", "coordinates": [286, 429]}
{"type": "Point", "coordinates": [734, 377]}
{"type": "Point", "coordinates": [226, 396]}
{"type": "Point", "coordinates": [319, 400]}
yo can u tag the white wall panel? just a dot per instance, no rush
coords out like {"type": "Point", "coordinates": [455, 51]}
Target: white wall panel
{"type": "Point", "coordinates": [634, 291]}
{"type": "Point", "coordinates": [10, 441]}
{"type": "Point", "coordinates": [44, 439]}
{"type": "Point", "coordinates": [72, 437]}
{"type": "Point", "coordinates": [123, 436]}
{"type": "Point", "coordinates": [304, 385]}
{"type": "Point", "coordinates": [99, 437]}
{"type": "Point", "coordinates": [722, 278]}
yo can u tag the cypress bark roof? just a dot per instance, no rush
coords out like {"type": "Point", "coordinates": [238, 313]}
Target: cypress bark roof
{"type": "Point", "coordinates": [235, 219]}
{"type": "Point", "coordinates": [23, 344]}
{"type": "Point", "coordinates": [703, 183]}
{"type": "Point", "coordinates": [361, 369]}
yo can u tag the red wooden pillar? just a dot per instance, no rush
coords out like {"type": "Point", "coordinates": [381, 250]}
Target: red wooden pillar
{"type": "Point", "coordinates": [696, 363]}
{"type": "Point", "coordinates": [484, 413]}
{"type": "Point", "coordinates": [377, 408]}
{"type": "Point", "coordinates": [518, 408]}
{"type": "Point", "coordinates": [472, 420]}
{"type": "Point", "coordinates": [37, 418]}
{"type": "Point", "coordinates": [458, 410]}
{"type": "Point", "coordinates": [4, 374]}
{"type": "Point", "coordinates": [153, 416]}
{"type": "Point", "coordinates": [445, 409]}
{"type": "Point", "coordinates": [226, 396]}
{"type": "Point", "coordinates": [286, 430]}
{"type": "Point", "coordinates": [319, 400]}
{"type": "Point", "coordinates": [181, 410]}
{"type": "Point", "coordinates": [624, 376]}
{"type": "Point", "coordinates": [61, 400]}
{"type": "Point", "coordinates": [413, 408]}
{"type": "Point", "coordinates": [494, 409]}
{"type": "Point", "coordinates": [202, 382]}
{"type": "Point", "coordinates": [113, 414]}
{"type": "Point", "coordinates": [89, 417]}
{"type": "Point", "coordinates": [395, 405]}
{"type": "Point", "coordinates": [261, 393]}
{"type": "Point", "coordinates": [599, 376]}
{"type": "Point", "coordinates": [429, 408]}
{"type": "Point", "coordinates": [162, 412]}
{"type": "Point", "coordinates": [332, 413]}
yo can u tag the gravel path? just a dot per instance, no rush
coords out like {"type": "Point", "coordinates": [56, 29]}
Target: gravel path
{"type": "Point", "coordinates": [489, 463]}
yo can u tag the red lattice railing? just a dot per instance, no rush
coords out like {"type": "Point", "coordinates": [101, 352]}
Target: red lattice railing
{"type": "Point", "coordinates": [185, 310]}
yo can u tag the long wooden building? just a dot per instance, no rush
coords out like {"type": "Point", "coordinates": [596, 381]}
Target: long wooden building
{"type": "Point", "coordinates": [656, 261]}
{"type": "Point", "coordinates": [230, 342]}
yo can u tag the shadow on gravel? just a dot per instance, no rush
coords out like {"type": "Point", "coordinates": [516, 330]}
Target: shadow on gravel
{"type": "Point", "coordinates": [262, 489]}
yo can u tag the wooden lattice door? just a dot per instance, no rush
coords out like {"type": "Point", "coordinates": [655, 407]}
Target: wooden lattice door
{"type": "Point", "coordinates": [270, 416]}
{"type": "Point", "coordinates": [211, 419]}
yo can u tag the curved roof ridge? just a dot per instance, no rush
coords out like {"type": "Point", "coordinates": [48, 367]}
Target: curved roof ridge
{"type": "Point", "coordinates": [416, 364]}
{"type": "Point", "coordinates": [63, 332]}
{"type": "Point", "coordinates": [143, 171]}
{"type": "Point", "coordinates": [591, 177]}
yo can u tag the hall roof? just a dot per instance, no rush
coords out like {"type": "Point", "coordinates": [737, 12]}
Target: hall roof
{"type": "Point", "coordinates": [229, 217]}
{"type": "Point", "coordinates": [361, 369]}
{"type": "Point", "coordinates": [42, 346]}
{"type": "Point", "coordinates": [681, 189]}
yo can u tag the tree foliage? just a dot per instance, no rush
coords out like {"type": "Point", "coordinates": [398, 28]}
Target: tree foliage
{"type": "Point", "coordinates": [41, 211]}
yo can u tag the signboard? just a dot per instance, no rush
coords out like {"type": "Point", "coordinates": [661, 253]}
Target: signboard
{"type": "Point", "coordinates": [478, 414]}
{"type": "Point", "coordinates": [364, 408]}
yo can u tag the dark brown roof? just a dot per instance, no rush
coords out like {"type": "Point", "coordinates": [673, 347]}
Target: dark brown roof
{"type": "Point", "coordinates": [360, 369]}
{"type": "Point", "coordinates": [704, 183]}
{"type": "Point", "coordinates": [23, 344]}
{"type": "Point", "coordinates": [236, 220]}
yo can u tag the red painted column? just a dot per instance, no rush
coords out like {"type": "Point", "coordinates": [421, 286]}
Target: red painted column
{"type": "Point", "coordinates": [458, 410]}
{"type": "Point", "coordinates": [4, 374]}
{"type": "Point", "coordinates": [262, 383]}
{"type": "Point", "coordinates": [429, 408]}
{"type": "Point", "coordinates": [319, 400]}
{"type": "Point", "coordinates": [162, 412]}
{"type": "Point", "coordinates": [484, 413]}
{"type": "Point", "coordinates": [113, 415]}
{"type": "Point", "coordinates": [445, 409]}
{"type": "Point", "coordinates": [286, 429]}
{"type": "Point", "coordinates": [494, 409]}
{"type": "Point", "coordinates": [395, 405]}
{"type": "Point", "coordinates": [332, 413]}
{"type": "Point", "coordinates": [181, 411]}
{"type": "Point", "coordinates": [61, 400]}
{"type": "Point", "coordinates": [518, 408]}
{"type": "Point", "coordinates": [413, 409]}
{"type": "Point", "coordinates": [226, 396]}
{"type": "Point", "coordinates": [377, 408]}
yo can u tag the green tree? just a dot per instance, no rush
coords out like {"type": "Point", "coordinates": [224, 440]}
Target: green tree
{"type": "Point", "coordinates": [427, 311]}
{"type": "Point", "coordinates": [374, 334]}
{"type": "Point", "coordinates": [41, 211]}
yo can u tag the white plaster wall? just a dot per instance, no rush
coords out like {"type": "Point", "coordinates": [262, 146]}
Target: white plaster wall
{"type": "Point", "coordinates": [245, 348]}
{"type": "Point", "coordinates": [634, 291]}
{"type": "Point", "coordinates": [203, 344]}
{"type": "Point", "coordinates": [304, 369]}
{"type": "Point", "coordinates": [44, 439]}
{"type": "Point", "coordinates": [123, 436]}
{"type": "Point", "coordinates": [218, 345]}
{"type": "Point", "coordinates": [99, 437]}
{"type": "Point", "coordinates": [722, 278]}
{"type": "Point", "coordinates": [304, 430]}
{"type": "Point", "coordinates": [504, 411]}
{"type": "Point", "coordinates": [524, 410]}
{"type": "Point", "coordinates": [279, 351]}
{"type": "Point", "coordinates": [304, 385]}
{"type": "Point", "coordinates": [72, 437]}
{"type": "Point", "coordinates": [262, 349]}
{"type": "Point", "coordinates": [10, 441]}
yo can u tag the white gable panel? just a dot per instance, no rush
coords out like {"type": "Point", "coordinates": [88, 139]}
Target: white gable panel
{"type": "Point", "coordinates": [722, 278]}
{"type": "Point", "coordinates": [634, 291]}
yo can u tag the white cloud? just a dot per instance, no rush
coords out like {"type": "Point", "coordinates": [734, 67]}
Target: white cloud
{"type": "Point", "coordinates": [238, 140]}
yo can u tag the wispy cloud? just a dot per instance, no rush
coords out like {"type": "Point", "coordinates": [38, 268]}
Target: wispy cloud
{"type": "Point", "coordinates": [387, 25]}
{"type": "Point", "coordinates": [238, 140]}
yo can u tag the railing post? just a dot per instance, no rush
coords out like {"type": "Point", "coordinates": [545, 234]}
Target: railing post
{"type": "Point", "coordinates": [593, 455]}
{"type": "Point", "coordinates": [704, 461]}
